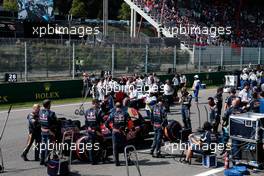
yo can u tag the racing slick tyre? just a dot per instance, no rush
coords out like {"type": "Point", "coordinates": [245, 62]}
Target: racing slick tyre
{"type": "Point", "coordinates": [173, 131]}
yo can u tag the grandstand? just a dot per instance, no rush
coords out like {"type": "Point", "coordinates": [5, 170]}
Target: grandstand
{"type": "Point", "coordinates": [162, 51]}
{"type": "Point", "coordinates": [244, 17]}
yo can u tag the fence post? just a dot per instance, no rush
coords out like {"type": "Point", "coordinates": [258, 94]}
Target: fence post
{"type": "Point", "coordinates": [26, 62]}
{"type": "Point", "coordinates": [146, 60]}
{"type": "Point", "coordinates": [113, 60]}
{"type": "Point", "coordinates": [174, 59]}
{"type": "Point", "coordinates": [241, 57]}
{"type": "Point", "coordinates": [222, 56]}
{"type": "Point", "coordinates": [259, 55]}
{"type": "Point", "coordinates": [199, 59]}
{"type": "Point", "coordinates": [73, 60]}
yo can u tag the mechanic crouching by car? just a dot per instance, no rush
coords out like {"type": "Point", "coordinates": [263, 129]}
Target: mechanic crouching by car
{"type": "Point", "coordinates": [201, 145]}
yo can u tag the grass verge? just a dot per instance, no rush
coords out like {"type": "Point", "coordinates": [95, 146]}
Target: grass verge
{"type": "Point", "coordinates": [54, 102]}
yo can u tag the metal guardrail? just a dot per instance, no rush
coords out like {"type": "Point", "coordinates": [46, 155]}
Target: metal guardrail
{"type": "Point", "coordinates": [35, 60]}
{"type": "Point", "coordinates": [128, 155]}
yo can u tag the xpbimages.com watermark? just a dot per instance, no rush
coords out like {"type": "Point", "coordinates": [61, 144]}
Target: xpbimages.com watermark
{"type": "Point", "coordinates": [213, 31]}
{"type": "Point", "coordinates": [81, 147]}
{"type": "Point", "coordinates": [81, 31]}
{"type": "Point", "coordinates": [115, 87]}
{"type": "Point", "coordinates": [212, 147]}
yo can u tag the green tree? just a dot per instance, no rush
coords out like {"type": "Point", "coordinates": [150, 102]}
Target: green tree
{"type": "Point", "coordinates": [124, 12]}
{"type": "Point", "coordinates": [63, 6]}
{"type": "Point", "coordinates": [79, 8]}
{"type": "Point", "coordinates": [11, 5]}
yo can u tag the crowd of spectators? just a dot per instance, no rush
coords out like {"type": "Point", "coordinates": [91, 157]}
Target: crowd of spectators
{"type": "Point", "coordinates": [245, 19]}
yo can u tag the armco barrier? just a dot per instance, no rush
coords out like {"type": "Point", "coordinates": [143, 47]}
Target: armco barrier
{"type": "Point", "coordinates": [37, 91]}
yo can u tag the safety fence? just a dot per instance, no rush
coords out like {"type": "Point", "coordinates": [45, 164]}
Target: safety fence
{"type": "Point", "coordinates": [35, 60]}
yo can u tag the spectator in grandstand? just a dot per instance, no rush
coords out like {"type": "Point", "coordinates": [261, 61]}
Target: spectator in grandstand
{"type": "Point", "coordinates": [148, 5]}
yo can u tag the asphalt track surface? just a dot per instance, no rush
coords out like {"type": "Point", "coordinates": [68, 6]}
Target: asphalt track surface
{"type": "Point", "coordinates": [14, 141]}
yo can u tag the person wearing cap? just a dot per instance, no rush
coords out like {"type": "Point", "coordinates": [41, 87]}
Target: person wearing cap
{"type": "Point", "coordinates": [34, 133]}
{"type": "Point", "coordinates": [159, 121]}
{"type": "Point", "coordinates": [186, 100]}
{"type": "Point", "coordinates": [196, 87]}
{"type": "Point", "coordinates": [119, 118]}
{"type": "Point", "coordinates": [93, 120]}
{"type": "Point", "coordinates": [48, 120]}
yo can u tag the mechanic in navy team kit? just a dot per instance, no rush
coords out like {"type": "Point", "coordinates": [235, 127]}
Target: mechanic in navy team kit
{"type": "Point", "coordinates": [159, 121]}
{"type": "Point", "coordinates": [119, 118]}
{"type": "Point", "coordinates": [218, 98]}
{"type": "Point", "coordinates": [93, 120]}
{"type": "Point", "coordinates": [48, 120]}
{"type": "Point", "coordinates": [34, 133]}
{"type": "Point", "coordinates": [186, 101]}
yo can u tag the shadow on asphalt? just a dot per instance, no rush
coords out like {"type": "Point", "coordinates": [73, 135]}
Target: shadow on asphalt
{"type": "Point", "coordinates": [148, 162]}
{"type": "Point", "coordinates": [14, 170]}
{"type": "Point", "coordinates": [76, 173]}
